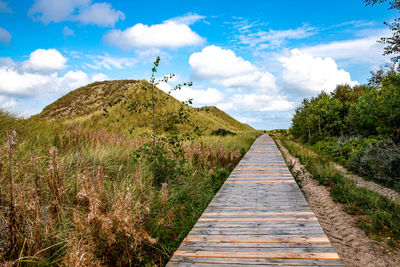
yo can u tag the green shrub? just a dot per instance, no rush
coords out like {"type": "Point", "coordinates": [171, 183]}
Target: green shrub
{"type": "Point", "coordinates": [222, 132]}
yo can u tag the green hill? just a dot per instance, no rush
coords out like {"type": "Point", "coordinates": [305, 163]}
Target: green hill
{"type": "Point", "coordinates": [84, 106]}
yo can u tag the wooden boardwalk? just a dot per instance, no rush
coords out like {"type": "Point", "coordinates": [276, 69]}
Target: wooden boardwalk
{"type": "Point", "coordinates": [258, 217]}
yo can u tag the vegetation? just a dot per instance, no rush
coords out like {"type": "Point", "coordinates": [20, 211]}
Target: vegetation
{"type": "Point", "coordinates": [393, 42]}
{"type": "Point", "coordinates": [84, 107]}
{"type": "Point", "coordinates": [80, 188]}
{"type": "Point", "coordinates": [357, 126]}
{"type": "Point", "coordinates": [379, 216]}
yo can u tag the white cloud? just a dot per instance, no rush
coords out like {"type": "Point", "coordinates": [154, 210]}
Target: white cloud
{"type": "Point", "coordinates": [48, 11]}
{"type": "Point", "coordinates": [223, 67]}
{"type": "Point", "coordinates": [68, 32]}
{"type": "Point", "coordinates": [5, 36]}
{"type": "Point", "coordinates": [45, 61]}
{"type": "Point", "coordinates": [248, 119]}
{"type": "Point", "coordinates": [250, 34]}
{"type": "Point", "coordinates": [27, 84]}
{"type": "Point", "coordinates": [4, 8]}
{"type": "Point", "coordinates": [209, 96]}
{"type": "Point", "coordinates": [37, 75]}
{"type": "Point", "coordinates": [15, 83]}
{"type": "Point", "coordinates": [187, 19]}
{"type": "Point", "coordinates": [101, 14]}
{"type": "Point", "coordinates": [256, 102]}
{"type": "Point", "coordinates": [362, 50]}
{"type": "Point", "coordinates": [169, 34]}
{"type": "Point", "coordinates": [109, 63]}
{"type": "Point", "coordinates": [308, 74]}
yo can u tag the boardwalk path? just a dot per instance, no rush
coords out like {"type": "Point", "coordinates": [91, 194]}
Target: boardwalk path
{"type": "Point", "coordinates": [258, 217]}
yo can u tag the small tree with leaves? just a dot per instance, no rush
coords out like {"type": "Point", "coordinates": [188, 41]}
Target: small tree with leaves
{"type": "Point", "coordinates": [156, 152]}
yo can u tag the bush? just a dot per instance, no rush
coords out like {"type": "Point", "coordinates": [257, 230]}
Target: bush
{"type": "Point", "coordinates": [222, 132]}
{"type": "Point", "coordinates": [378, 160]}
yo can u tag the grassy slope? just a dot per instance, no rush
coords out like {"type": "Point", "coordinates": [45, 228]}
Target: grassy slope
{"type": "Point", "coordinates": [84, 107]}
{"type": "Point", "coordinates": [96, 168]}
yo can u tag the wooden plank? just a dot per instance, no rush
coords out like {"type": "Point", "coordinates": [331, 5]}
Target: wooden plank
{"type": "Point", "coordinates": [262, 246]}
{"type": "Point", "coordinates": [193, 261]}
{"type": "Point", "coordinates": [260, 182]}
{"type": "Point", "coordinates": [255, 219]}
{"type": "Point", "coordinates": [258, 240]}
{"type": "Point", "coordinates": [257, 255]}
{"type": "Point", "coordinates": [259, 169]}
{"type": "Point", "coordinates": [256, 213]}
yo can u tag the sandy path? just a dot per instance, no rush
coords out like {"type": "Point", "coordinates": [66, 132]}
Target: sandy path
{"type": "Point", "coordinates": [349, 241]}
{"type": "Point", "coordinates": [384, 191]}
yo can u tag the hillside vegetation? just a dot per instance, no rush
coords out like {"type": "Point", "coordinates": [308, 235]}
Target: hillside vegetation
{"type": "Point", "coordinates": [78, 188]}
{"type": "Point", "coordinates": [84, 107]}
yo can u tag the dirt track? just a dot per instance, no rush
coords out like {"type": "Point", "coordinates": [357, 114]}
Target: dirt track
{"type": "Point", "coordinates": [384, 191]}
{"type": "Point", "coordinates": [349, 241]}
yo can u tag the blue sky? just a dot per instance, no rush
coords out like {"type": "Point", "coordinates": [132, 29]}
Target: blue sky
{"type": "Point", "coordinates": [256, 60]}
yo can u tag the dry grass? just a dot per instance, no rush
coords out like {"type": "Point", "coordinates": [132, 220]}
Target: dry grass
{"type": "Point", "coordinates": [78, 197]}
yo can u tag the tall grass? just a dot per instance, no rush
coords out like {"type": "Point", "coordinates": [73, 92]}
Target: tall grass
{"type": "Point", "coordinates": [380, 216]}
{"type": "Point", "coordinates": [81, 197]}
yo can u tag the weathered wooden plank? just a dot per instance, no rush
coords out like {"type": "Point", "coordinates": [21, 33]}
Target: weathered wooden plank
{"type": "Point", "coordinates": [264, 246]}
{"type": "Point", "coordinates": [266, 262]}
{"type": "Point", "coordinates": [260, 182]}
{"type": "Point", "coordinates": [202, 264]}
{"type": "Point", "coordinates": [255, 219]}
{"type": "Point", "coordinates": [258, 240]}
{"type": "Point", "coordinates": [253, 247]}
{"type": "Point", "coordinates": [257, 255]}
{"type": "Point", "coordinates": [256, 213]}
{"type": "Point", "coordinates": [240, 231]}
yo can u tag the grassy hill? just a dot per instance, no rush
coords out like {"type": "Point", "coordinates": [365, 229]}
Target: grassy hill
{"type": "Point", "coordinates": [84, 107]}
{"type": "Point", "coordinates": [96, 194]}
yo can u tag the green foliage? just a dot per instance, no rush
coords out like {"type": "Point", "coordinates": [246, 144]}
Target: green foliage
{"type": "Point", "coordinates": [329, 115]}
{"type": "Point", "coordinates": [218, 178]}
{"type": "Point", "coordinates": [222, 132]}
{"type": "Point", "coordinates": [357, 126]}
{"type": "Point", "coordinates": [380, 216]}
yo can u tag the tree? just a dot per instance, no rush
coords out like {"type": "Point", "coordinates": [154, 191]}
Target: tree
{"type": "Point", "coordinates": [151, 102]}
{"type": "Point", "coordinates": [393, 42]}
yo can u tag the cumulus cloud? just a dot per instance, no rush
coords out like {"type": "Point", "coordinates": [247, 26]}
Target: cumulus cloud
{"type": "Point", "coordinates": [5, 36]}
{"type": "Point", "coordinates": [223, 67]}
{"type": "Point", "coordinates": [101, 14]}
{"type": "Point", "coordinates": [15, 83]}
{"type": "Point", "coordinates": [305, 73]}
{"type": "Point", "coordinates": [39, 75]}
{"type": "Point", "coordinates": [45, 61]}
{"type": "Point", "coordinates": [4, 8]}
{"type": "Point", "coordinates": [169, 34]}
{"type": "Point", "coordinates": [209, 96]}
{"type": "Point", "coordinates": [256, 102]}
